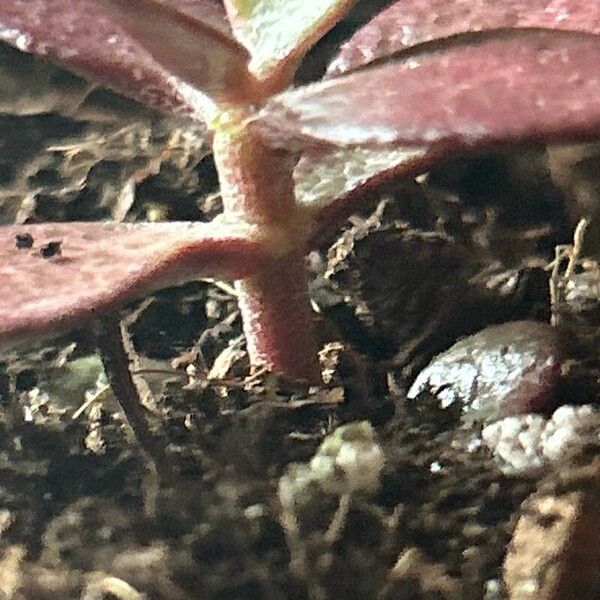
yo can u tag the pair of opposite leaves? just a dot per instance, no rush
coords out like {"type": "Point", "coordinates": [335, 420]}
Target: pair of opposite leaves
{"type": "Point", "coordinates": [509, 85]}
{"type": "Point", "coordinates": [417, 75]}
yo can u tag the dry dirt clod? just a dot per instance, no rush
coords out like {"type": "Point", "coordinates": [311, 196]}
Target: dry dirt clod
{"type": "Point", "coordinates": [555, 549]}
{"type": "Point", "coordinates": [432, 577]}
{"type": "Point", "coordinates": [526, 444]}
{"type": "Point", "coordinates": [11, 571]}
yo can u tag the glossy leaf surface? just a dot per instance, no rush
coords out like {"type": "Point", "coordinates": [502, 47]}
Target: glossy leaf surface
{"type": "Point", "coordinates": [102, 265]}
{"type": "Point", "coordinates": [276, 32]}
{"type": "Point", "coordinates": [87, 38]}
{"type": "Point", "coordinates": [513, 86]}
{"type": "Point", "coordinates": [407, 23]}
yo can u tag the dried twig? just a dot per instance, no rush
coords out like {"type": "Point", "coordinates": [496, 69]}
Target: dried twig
{"type": "Point", "coordinates": [572, 253]}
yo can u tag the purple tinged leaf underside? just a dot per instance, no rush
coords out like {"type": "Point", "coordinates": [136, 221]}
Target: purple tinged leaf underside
{"type": "Point", "coordinates": [86, 38]}
{"type": "Point", "coordinates": [211, 12]}
{"type": "Point", "coordinates": [189, 47]}
{"type": "Point", "coordinates": [101, 266]}
{"type": "Point", "coordinates": [407, 23]}
{"type": "Point", "coordinates": [329, 181]}
{"type": "Point", "coordinates": [321, 176]}
{"type": "Point", "coordinates": [513, 86]}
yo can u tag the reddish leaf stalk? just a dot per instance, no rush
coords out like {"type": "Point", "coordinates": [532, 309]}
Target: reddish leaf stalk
{"type": "Point", "coordinates": [257, 187]}
{"type": "Point", "coordinates": [115, 358]}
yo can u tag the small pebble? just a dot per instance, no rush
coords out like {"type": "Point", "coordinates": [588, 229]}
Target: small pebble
{"type": "Point", "coordinates": [521, 445]}
{"type": "Point", "coordinates": [502, 370]}
{"type": "Point", "coordinates": [435, 467]}
{"type": "Point", "coordinates": [570, 428]}
{"type": "Point", "coordinates": [515, 443]}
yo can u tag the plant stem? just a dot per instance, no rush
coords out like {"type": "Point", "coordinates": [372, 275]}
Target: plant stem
{"type": "Point", "coordinates": [277, 319]}
{"type": "Point", "coordinates": [257, 187]}
{"type": "Point", "coordinates": [115, 358]}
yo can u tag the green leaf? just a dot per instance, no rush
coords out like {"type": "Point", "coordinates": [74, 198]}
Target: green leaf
{"type": "Point", "coordinates": [277, 32]}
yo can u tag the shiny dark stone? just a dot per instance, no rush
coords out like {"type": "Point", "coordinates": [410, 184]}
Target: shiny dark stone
{"type": "Point", "coordinates": [502, 370]}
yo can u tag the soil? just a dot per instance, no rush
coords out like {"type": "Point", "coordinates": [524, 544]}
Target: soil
{"type": "Point", "coordinates": [83, 512]}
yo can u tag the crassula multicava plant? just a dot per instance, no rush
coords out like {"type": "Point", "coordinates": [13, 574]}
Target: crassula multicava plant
{"type": "Point", "coordinates": [424, 79]}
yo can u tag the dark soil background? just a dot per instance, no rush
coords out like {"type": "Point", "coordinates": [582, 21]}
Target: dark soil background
{"type": "Point", "coordinates": [427, 262]}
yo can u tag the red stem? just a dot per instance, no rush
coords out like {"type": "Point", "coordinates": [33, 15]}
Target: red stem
{"type": "Point", "coordinates": [257, 187]}
{"type": "Point", "coordinates": [278, 320]}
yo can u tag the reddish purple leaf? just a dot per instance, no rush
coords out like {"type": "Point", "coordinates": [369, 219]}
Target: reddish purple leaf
{"type": "Point", "coordinates": [85, 37]}
{"type": "Point", "coordinates": [189, 47]}
{"type": "Point", "coordinates": [102, 265]}
{"type": "Point", "coordinates": [409, 22]}
{"type": "Point", "coordinates": [211, 12]}
{"type": "Point", "coordinates": [511, 86]}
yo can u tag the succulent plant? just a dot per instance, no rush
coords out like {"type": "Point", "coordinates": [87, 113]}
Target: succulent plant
{"type": "Point", "coordinates": [422, 80]}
